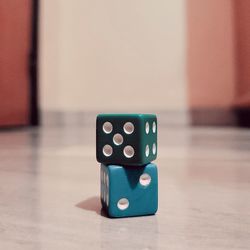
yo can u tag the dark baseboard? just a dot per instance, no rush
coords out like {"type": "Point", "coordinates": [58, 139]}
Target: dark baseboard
{"type": "Point", "coordinates": [239, 117]}
{"type": "Point", "coordinates": [243, 117]}
{"type": "Point", "coordinates": [196, 117]}
{"type": "Point", "coordinates": [212, 117]}
{"type": "Point", "coordinates": [13, 128]}
{"type": "Point", "coordinates": [83, 118]}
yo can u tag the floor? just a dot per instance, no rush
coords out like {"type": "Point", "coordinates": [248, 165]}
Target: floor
{"type": "Point", "coordinates": [49, 191]}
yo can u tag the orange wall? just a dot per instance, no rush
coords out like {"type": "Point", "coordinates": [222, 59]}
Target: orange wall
{"type": "Point", "coordinates": [15, 38]}
{"type": "Point", "coordinates": [242, 33]}
{"type": "Point", "coordinates": [210, 56]}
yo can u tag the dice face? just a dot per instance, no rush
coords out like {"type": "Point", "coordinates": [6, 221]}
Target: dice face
{"type": "Point", "coordinates": [130, 191]}
{"type": "Point", "coordinates": [127, 139]}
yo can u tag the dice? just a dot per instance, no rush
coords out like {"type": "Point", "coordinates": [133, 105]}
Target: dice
{"type": "Point", "coordinates": [125, 146]}
{"type": "Point", "coordinates": [127, 139]}
{"type": "Point", "coordinates": [129, 191]}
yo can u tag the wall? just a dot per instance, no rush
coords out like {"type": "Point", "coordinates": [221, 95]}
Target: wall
{"type": "Point", "coordinates": [112, 55]}
{"type": "Point", "coordinates": [15, 39]}
{"type": "Point", "coordinates": [210, 54]}
{"type": "Point", "coordinates": [242, 32]}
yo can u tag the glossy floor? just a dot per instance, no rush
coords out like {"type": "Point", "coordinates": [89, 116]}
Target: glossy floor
{"type": "Point", "coordinates": [49, 192]}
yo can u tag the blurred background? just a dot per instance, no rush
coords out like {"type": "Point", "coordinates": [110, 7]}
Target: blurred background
{"type": "Point", "coordinates": [187, 60]}
{"type": "Point", "coordinates": [64, 61]}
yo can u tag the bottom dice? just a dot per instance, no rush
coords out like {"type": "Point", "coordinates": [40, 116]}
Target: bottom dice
{"type": "Point", "coordinates": [129, 191]}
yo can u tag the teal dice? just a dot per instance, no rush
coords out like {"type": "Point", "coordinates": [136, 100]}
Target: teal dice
{"type": "Point", "coordinates": [129, 191]}
{"type": "Point", "coordinates": [125, 146]}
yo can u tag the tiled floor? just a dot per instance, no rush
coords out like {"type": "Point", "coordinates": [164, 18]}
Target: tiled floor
{"type": "Point", "coordinates": [49, 191]}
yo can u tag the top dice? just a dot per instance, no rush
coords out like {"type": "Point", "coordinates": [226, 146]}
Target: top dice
{"type": "Point", "coordinates": [127, 139]}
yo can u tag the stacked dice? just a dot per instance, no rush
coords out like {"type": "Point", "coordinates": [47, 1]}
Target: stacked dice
{"type": "Point", "coordinates": [125, 146]}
